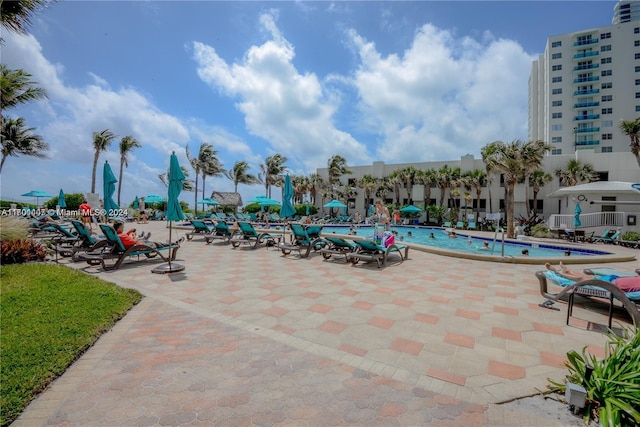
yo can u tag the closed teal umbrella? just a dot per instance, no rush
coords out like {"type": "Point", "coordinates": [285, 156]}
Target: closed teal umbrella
{"type": "Point", "coordinates": [287, 208]}
{"type": "Point", "coordinates": [136, 203]}
{"type": "Point", "coordinates": [61, 202]}
{"type": "Point", "coordinates": [174, 210]}
{"type": "Point", "coordinates": [109, 187]}
{"type": "Point", "coordinates": [576, 217]}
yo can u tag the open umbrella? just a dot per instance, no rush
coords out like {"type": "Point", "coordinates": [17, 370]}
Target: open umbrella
{"type": "Point", "coordinates": [208, 201]}
{"type": "Point", "coordinates": [576, 217]}
{"type": "Point", "coordinates": [174, 210]}
{"type": "Point", "coordinates": [335, 204]}
{"type": "Point", "coordinates": [37, 194]}
{"type": "Point", "coordinates": [136, 203]}
{"type": "Point", "coordinates": [154, 198]}
{"type": "Point", "coordinates": [411, 209]}
{"type": "Point", "coordinates": [61, 202]}
{"type": "Point", "coordinates": [287, 208]}
{"type": "Point", "coordinates": [109, 187]}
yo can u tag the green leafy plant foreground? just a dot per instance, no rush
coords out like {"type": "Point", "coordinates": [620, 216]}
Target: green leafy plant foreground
{"type": "Point", "coordinates": [613, 389]}
{"type": "Point", "coordinates": [51, 315]}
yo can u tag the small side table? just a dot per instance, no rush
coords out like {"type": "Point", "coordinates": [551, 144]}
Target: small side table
{"type": "Point", "coordinates": [600, 293]}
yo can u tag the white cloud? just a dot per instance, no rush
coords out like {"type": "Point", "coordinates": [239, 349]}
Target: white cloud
{"type": "Point", "coordinates": [288, 109]}
{"type": "Point", "coordinates": [443, 97]}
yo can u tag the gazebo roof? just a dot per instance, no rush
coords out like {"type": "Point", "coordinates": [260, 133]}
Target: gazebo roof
{"type": "Point", "coordinates": [227, 198]}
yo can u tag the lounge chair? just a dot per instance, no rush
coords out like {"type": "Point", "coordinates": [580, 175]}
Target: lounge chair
{"type": "Point", "coordinates": [471, 225]}
{"type": "Point", "coordinates": [369, 251]}
{"type": "Point", "coordinates": [199, 227]}
{"type": "Point", "coordinates": [592, 288]}
{"type": "Point", "coordinates": [606, 235]}
{"type": "Point", "coordinates": [460, 225]}
{"type": "Point", "coordinates": [447, 224]}
{"type": "Point", "coordinates": [314, 231]}
{"type": "Point", "coordinates": [249, 236]}
{"type": "Point", "coordinates": [337, 246]}
{"type": "Point", "coordinates": [87, 242]}
{"type": "Point", "coordinates": [220, 232]}
{"type": "Point", "coordinates": [302, 242]}
{"type": "Point", "coordinates": [119, 253]}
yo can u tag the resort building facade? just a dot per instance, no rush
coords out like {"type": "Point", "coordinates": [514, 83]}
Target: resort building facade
{"type": "Point", "coordinates": [579, 90]}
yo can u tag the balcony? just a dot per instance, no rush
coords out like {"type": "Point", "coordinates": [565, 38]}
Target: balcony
{"type": "Point", "coordinates": [586, 104]}
{"type": "Point", "coordinates": [587, 130]}
{"type": "Point", "coordinates": [586, 67]}
{"type": "Point", "coordinates": [587, 117]}
{"type": "Point", "coordinates": [589, 143]}
{"type": "Point", "coordinates": [586, 79]}
{"type": "Point", "coordinates": [586, 92]}
{"type": "Point", "coordinates": [586, 42]}
{"type": "Point", "coordinates": [585, 54]}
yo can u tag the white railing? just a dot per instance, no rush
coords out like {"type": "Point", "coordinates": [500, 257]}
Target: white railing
{"type": "Point", "coordinates": [596, 219]}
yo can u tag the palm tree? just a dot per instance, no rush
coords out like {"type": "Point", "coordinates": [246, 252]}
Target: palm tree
{"type": "Point", "coordinates": [207, 161]}
{"type": "Point", "coordinates": [336, 167]}
{"type": "Point", "coordinates": [427, 178]}
{"type": "Point", "coordinates": [271, 171]}
{"type": "Point", "coordinates": [17, 88]}
{"type": "Point", "coordinates": [101, 141]}
{"type": "Point", "coordinates": [538, 179]}
{"type": "Point", "coordinates": [368, 183]}
{"type": "Point", "coordinates": [395, 180]}
{"type": "Point", "coordinates": [187, 184]}
{"type": "Point", "coordinates": [408, 176]}
{"type": "Point", "coordinates": [514, 160]}
{"type": "Point", "coordinates": [315, 184]}
{"type": "Point", "coordinates": [127, 144]}
{"type": "Point", "coordinates": [239, 175]}
{"type": "Point", "coordinates": [19, 140]}
{"type": "Point", "coordinates": [487, 151]}
{"type": "Point", "coordinates": [576, 172]}
{"type": "Point", "coordinates": [384, 187]}
{"type": "Point", "coordinates": [16, 15]}
{"type": "Point", "coordinates": [445, 177]}
{"type": "Point", "coordinates": [477, 179]}
{"type": "Point", "coordinates": [300, 187]}
{"type": "Point", "coordinates": [631, 128]}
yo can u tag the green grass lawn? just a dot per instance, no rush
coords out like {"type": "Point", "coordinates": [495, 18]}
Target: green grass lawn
{"type": "Point", "coordinates": [50, 315]}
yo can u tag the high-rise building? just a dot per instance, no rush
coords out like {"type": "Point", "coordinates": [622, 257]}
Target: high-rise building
{"type": "Point", "coordinates": [585, 83]}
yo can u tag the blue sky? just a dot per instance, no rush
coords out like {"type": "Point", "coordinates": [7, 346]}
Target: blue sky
{"type": "Point", "coordinates": [391, 81]}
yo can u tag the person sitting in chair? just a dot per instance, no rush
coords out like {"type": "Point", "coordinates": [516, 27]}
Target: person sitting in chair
{"type": "Point", "coordinates": [129, 238]}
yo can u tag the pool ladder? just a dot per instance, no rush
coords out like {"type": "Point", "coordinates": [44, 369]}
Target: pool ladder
{"type": "Point", "coordinates": [495, 238]}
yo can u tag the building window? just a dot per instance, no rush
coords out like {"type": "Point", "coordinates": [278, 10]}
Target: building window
{"type": "Point", "coordinates": [556, 115]}
{"type": "Point", "coordinates": [637, 56]}
{"type": "Point", "coordinates": [607, 111]}
{"type": "Point", "coordinates": [556, 127]}
{"type": "Point", "coordinates": [539, 204]}
{"type": "Point", "coordinates": [637, 95]}
{"type": "Point", "coordinates": [556, 55]}
{"type": "Point", "coordinates": [636, 43]}
{"type": "Point", "coordinates": [605, 73]}
{"type": "Point", "coordinates": [636, 30]}
{"type": "Point", "coordinates": [556, 79]}
{"type": "Point", "coordinates": [557, 91]}
{"type": "Point", "coordinates": [637, 68]}
{"type": "Point", "coordinates": [606, 150]}
{"type": "Point", "coordinates": [556, 67]}
{"type": "Point", "coordinates": [556, 44]}
{"type": "Point", "coordinates": [605, 48]}
{"type": "Point", "coordinates": [606, 98]}
{"type": "Point", "coordinates": [605, 36]}
{"type": "Point", "coordinates": [556, 151]}
{"type": "Point", "coordinates": [556, 139]}
{"type": "Point", "coordinates": [607, 136]}
{"type": "Point", "coordinates": [637, 107]}
{"type": "Point", "coordinates": [607, 85]}
{"type": "Point", "coordinates": [558, 103]}
{"type": "Point", "coordinates": [607, 123]}
{"type": "Point", "coordinates": [605, 61]}
{"type": "Point", "coordinates": [637, 82]}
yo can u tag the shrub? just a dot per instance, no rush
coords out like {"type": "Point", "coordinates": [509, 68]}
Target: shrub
{"type": "Point", "coordinates": [631, 235]}
{"type": "Point", "coordinates": [540, 230]}
{"type": "Point", "coordinates": [13, 227]}
{"type": "Point", "coordinates": [613, 388]}
{"type": "Point", "coordinates": [19, 251]}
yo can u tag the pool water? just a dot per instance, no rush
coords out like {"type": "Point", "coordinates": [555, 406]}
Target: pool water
{"type": "Point", "coordinates": [463, 243]}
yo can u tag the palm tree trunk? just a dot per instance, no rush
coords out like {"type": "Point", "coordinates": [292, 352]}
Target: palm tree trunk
{"type": "Point", "coordinates": [2, 162]}
{"type": "Point", "coordinates": [195, 199]}
{"type": "Point", "coordinates": [93, 172]}
{"type": "Point", "coordinates": [509, 189]}
{"type": "Point", "coordinates": [120, 181]}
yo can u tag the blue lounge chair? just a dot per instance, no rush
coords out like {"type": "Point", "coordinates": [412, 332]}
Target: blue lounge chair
{"type": "Point", "coordinates": [87, 242]}
{"type": "Point", "coordinates": [471, 225]}
{"type": "Point", "coordinates": [249, 236]}
{"type": "Point", "coordinates": [199, 227]}
{"type": "Point", "coordinates": [591, 288]}
{"type": "Point", "coordinates": [447, 224]}
{"type": "Point", "coordinates": [460, 225]}
{"type": "Point", "coordinates": [611, 238]}
{"type": "Point", "coordinates": [220, 232]}
{"type": "Point", "coordinates": [119, 253]}
{"type": "Point", "coordinates": [314, 231]}
{"type": "Point", "coordinates": [337, 246]}
{"type": "Point", "coordinates": [369, 251]}
{"type": "Point", "coordinates": [301, 242]}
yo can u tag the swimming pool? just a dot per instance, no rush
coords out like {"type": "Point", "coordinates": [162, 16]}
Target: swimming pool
{"type": "Point", "coordinates": [466, 243]}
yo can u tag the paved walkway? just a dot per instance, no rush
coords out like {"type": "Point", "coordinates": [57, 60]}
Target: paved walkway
{"type": "Point", "coordinates": [250, 337]}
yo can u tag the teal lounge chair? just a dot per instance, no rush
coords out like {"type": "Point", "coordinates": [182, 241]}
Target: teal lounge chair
{"type": "Point", "coordinates": [337, 246]}
{"type": "Point", "coordinates": [471, 225]}
{"type": "Point", "coordinates": [249, 236]}
{"type": "Point", "coordinates": [199, 227]}
{"type": "Point", "coordinates": [314, 231]}
{"type": "Point", "coordinates": [460, 225]}
{"type": "Point", "coordinates": [606, 234]}
{"type": "Point", "coordinates": [301, 242]}
{"type": "Point", "coordinates": [447, 224]}
{"type": "Point", "coordinates": [87, 243]}
{"type": "Point", "coordinates": [220, 232]}
{"type": "Point", "coordinates": [369, 251]}
{"type": "Point", "coordinates": [119, 253]}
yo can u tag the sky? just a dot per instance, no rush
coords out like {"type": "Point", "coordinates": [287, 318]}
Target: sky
{"type": "Point", "coordinates": [372, 81]}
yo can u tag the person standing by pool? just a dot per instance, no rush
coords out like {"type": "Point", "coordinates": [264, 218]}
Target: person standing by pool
{"type": "Point", "coordinates": [142, 215]}
{"type": "Point", "coordinates": [383, 215]}
{"type": "Point", "coordinates": [85, 213]}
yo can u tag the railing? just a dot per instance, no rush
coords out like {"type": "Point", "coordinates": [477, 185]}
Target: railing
{"type": "Point", "coordinates": [585, 54]}
{"type": "Point", "coordinates": [587, 117]}
{"type": "Point", "coordinates": [586, 67]}
{"type": "Point", "coordinates": [585, 42]}
{"type": "Point", "coordinates": [588, 142]}
{"type": "Point", "coordinates": [586, 104]}
{"type": "Point", "coordinates": [587, 130]}
{"type": "Point", "coordinates": [586, 92]}
{"type": "Point", "coordinates": [586, 79]}
{"type": "Point", "coordinates": [596, 219]}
